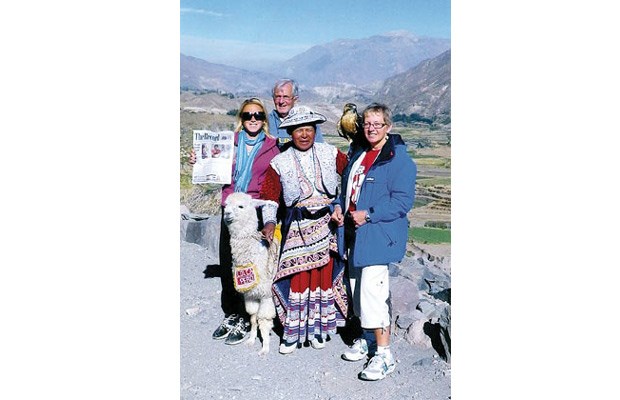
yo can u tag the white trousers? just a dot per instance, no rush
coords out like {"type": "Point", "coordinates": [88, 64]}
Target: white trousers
{"type": "Point", "coordinates": [371, 295]}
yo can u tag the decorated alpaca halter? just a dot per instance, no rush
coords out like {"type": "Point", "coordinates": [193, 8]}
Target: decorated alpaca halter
{"type": "Point", "coordinates": [245, 277]}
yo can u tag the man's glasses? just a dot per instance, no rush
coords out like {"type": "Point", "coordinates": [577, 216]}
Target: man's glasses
{"type": "Point", "coordinates": [376, 125]}
{"type": "Point", "coordinates": [259, 115]}
{"type": "Point", "coordinates": [283, 98]}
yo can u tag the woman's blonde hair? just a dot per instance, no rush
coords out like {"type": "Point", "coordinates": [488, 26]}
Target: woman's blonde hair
{"type": "Point", "coordinates": [258, 102]}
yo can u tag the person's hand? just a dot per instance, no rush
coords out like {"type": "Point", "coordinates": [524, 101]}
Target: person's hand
{"type": "Point", "coordinates": [268, 230]}
{"type": "Point", "coordinates": [337, 216]}
{"type": "Point", "coordinates": [359, 217]}
{"type": "Point", "coordinates": [192, 157]}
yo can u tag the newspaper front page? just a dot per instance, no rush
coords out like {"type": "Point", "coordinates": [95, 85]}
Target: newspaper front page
{"type": "Point", "coordinates": [214, 157]}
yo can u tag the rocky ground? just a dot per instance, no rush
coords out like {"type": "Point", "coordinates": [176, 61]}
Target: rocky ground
{"type": "Point", "coordinates": [212, 370]}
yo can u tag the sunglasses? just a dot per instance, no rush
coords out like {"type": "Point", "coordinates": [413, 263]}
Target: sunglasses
{"type": "Point", "coordinates": [246, 116]}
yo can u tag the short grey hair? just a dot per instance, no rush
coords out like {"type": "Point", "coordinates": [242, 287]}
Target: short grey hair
{"type": "Point", "coordinates": [381, 109]}
{"type": "Point", "coordinates": [286, 81]}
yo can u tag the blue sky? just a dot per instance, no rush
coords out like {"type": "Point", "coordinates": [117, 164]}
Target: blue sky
{"type": "Point", "coordinates": [259, 32]}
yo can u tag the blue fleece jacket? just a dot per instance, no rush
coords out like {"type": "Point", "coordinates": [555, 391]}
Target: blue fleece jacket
{"type": "Point", "coordinates": [387, 194]}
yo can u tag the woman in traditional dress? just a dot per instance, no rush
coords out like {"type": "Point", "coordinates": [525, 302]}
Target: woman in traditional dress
{"type": "Point", "coordinates": [308, 289]}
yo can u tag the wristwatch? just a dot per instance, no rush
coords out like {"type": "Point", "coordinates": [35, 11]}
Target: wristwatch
{"type": "Point", "coordinates": [367, 217]}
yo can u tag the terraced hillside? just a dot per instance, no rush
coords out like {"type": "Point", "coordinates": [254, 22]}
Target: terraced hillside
{"type": "Point", "coordinates": [433, 188]}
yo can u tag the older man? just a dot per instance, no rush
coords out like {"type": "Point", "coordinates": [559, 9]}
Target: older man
{"type": "Point", "coordinates": [285, 94]}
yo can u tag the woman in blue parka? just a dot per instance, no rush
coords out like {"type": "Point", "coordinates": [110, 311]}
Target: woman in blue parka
{"type": "Point", "coordinates": [378, 189]}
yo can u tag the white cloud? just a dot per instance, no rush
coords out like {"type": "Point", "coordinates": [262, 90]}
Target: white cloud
{"type": "Point", "coordinates": [200, 11]}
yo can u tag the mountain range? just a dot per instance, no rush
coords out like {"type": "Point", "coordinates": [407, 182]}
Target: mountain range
{"type": "Point", "coordinates": [362, 62]}
{"type": "Point", "coordinates": [200, 74]}
{"type": "Point", "coordinates": [424, 89]}
{"type": "Point", "coordinates": [409, 73]}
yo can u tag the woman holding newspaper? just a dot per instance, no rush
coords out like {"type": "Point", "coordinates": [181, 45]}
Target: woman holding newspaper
{"type": "Point", "coordinates": [254, 149]}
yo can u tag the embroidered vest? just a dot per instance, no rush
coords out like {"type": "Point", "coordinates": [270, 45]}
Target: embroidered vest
{"type": "Point", "coordinates": [295, 185]}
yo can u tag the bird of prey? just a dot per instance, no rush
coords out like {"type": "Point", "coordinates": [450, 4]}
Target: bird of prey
{"type": "Point", "coordinates": [350, 124]}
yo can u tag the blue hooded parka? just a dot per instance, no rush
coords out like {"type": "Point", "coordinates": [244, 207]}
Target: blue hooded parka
{"type": "Point", "coordinates": [387, 193]}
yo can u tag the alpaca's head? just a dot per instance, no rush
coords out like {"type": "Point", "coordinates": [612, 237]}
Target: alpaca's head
{"type": "Point", "coordinates": [240, 213]}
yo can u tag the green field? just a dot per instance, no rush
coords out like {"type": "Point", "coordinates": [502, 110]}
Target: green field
{"type": "Point", "coordinates": [431, 181]}
{"type": "Point", "coordinates": [429, 235]}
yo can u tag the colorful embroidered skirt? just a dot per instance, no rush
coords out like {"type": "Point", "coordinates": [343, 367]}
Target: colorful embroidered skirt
{"type": "Point", "coordinates": [308, 289]}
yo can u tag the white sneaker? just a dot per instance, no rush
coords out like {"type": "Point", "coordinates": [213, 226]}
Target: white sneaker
{"type": "Point", "coordinates": [317, 343]}
{"type": "Point", "coordinates": [287, 349]}
{"type": "Point", "coordinates": [378, 367]}
{"type": "Point", "coordinates": [357, 351]}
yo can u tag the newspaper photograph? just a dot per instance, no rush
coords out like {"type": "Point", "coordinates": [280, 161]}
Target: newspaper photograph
{"type": "Point", "coordinates": [214, 157]}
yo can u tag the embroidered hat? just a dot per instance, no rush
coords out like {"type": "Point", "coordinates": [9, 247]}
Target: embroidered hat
{"type": "Point", "coordinates": [300, 115]}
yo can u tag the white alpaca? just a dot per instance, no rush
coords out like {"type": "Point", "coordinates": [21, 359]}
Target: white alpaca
{"type": "Point", "coordinates": [254, 263]}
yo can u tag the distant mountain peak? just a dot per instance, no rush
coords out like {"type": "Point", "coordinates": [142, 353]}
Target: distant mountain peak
{"type": "Point", "coordinates": [400, 33]}
{"type": "Point", "coordinates": [362, 62]}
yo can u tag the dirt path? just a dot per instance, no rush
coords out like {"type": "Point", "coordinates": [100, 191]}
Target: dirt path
{"type": "Point", "coordinates": [212, 370]}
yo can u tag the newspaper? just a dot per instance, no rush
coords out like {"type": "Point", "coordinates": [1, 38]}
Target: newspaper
{"type": "Point", "coordinates": [214, 157]}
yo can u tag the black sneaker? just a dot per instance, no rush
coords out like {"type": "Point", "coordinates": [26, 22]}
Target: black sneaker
{"type": "Point", "coordinates": [238, 333]}
{"type": "Point", "coordinates": [227, 325]}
